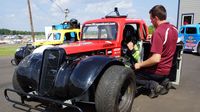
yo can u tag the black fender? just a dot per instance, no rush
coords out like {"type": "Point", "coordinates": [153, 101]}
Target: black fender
{"type": "Point", "coordinates": [28, 72]}
{"type": "Point", "coordinates": [21, 53]}
{"type": "Point", "coordinates": [86, 71]}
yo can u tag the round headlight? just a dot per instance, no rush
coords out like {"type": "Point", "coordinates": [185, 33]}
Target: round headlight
{"type": "Point", "coordinates": [18, 49]}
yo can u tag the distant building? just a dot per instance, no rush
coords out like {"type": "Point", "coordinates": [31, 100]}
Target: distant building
{"type": "Point", "coordinates": [188, 12]}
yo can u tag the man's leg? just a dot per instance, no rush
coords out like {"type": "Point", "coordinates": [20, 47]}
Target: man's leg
{"type": "Point", "coordinates": [149, 82]}
{"type": "Point", "coordinates": [148, 79]}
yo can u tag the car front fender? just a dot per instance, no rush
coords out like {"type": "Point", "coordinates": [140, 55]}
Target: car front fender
{"type": "Point", "coordinates": [86, 71]}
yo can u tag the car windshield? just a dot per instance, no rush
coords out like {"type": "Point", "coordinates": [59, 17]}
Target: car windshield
{"type": "Point", "coordinates": [100, 31]}
{"type": "Point", "coordinates": [54, 36]}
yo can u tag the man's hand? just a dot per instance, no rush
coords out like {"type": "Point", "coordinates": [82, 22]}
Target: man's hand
{"type": "Point", "coordinates": [137, 66]}
{"type": "Point", "coordinates": [154, 59]}
{"type": "Point", "coordinates": [130, 45]}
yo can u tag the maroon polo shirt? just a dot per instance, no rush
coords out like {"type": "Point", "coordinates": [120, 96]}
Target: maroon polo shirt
{"type": "Point", "coordinates": [163, 42]}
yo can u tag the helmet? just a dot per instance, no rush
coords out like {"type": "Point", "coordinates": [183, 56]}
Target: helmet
{"type": "Point", "coordinates": [130, 34]}
{"type": "Point", "coordinates": [73, 22]}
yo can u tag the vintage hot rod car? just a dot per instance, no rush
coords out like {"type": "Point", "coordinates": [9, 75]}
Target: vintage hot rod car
{"type": "Point", "coordinates": [62, 33]}
{"type": "Point", "coordinates": [91, 71]}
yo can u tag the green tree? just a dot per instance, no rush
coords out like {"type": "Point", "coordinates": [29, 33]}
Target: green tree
{"type": "Point", "coordinates": [15, 32]}
{"type": "Point", "coordinates": [151, 29]}
{"type": "Point", "coordinates": [5, 31]}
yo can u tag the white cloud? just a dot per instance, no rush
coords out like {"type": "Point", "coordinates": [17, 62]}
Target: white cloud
{"type": "Point", "coordinates": [100, 7]}
{"type": "Point", "coordinates": [58, 6]}
{"type": "Point", "coordinates": [127, 6]}
{"type": "Point", "coordinates": [46, 13]}
{"type": "Point", "coordinates": [11, 15]}
{"type": "Point", "coordinates": [90, 9]}
{"type": "Point", "coordinates": [43, 1]}
{"type": "Point", "coordinates": [108, 6]}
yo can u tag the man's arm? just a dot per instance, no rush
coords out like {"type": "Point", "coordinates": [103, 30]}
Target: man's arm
{"type": "Point", "coordinates": [154, 59]}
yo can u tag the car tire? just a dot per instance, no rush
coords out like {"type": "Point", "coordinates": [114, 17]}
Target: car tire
{"type": "Point", "coordinates": [13, 62]}
{"type": "Point", "coordinates": [116, 90]}
{"type": "Point", "coordinates": [198, 49]}
{"type": "Point", "coordinates": [17, 61]}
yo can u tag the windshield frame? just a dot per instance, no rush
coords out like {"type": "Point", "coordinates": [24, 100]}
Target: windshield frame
{"type": "Point", "coordinates": [52, 36]}
{"type": "Point", "coordinates": [109, 33]}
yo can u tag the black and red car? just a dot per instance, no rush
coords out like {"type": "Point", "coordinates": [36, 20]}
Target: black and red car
{"type": "Point", "coordinates": [91, 71]}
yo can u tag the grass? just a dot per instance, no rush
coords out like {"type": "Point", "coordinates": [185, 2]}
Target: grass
{"type": "Point", "coordinates": [9, 49]}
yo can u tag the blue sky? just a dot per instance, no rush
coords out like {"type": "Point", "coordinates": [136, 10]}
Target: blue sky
{"type": "Point", "coordinates": [14, 13]}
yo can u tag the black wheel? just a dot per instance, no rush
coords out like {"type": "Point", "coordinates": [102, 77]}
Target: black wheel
{"type": "Point", "coordinates": [116, 90]}
{"type": "Point", "coordinates": [198, 49]}
{"type": "Point", "coordinates": [17, 61]}
{"type": "Point", "coordinates": [13, 62]}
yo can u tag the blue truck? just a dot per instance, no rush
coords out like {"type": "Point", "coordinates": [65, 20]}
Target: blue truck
{"type": "Point", "coordinates": [190, 36]}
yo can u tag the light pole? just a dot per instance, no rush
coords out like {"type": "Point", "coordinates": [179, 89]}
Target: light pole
{"type": "Point", "coordinates": [178, 11]}
{"type": "Point", "coordinates": [66, 13]}
{"type": "Point", "coordinates": [31, 21]}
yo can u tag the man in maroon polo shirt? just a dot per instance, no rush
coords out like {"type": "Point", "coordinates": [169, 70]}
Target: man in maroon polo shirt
{"type": "Point", "coordinates": [163, 45]}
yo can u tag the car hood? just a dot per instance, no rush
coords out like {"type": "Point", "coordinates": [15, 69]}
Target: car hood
{"type": "Point", "coordinates": [47, 42]}
{"type": "Point", "coordinates": [87, 46]}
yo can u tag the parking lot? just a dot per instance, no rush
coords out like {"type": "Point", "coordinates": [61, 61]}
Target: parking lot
{"type": "Point", "coordinates": [185, 98]}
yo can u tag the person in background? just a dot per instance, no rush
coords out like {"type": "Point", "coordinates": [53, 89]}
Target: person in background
{"type": "Point", "coordinates": [153, 73]}
{"type": "Point", "coordinates": [185, 21]}
{"type": "Point", "coordinates": [134, 51]}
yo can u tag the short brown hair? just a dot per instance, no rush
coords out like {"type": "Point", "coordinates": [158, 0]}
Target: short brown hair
{"type": "Point", "coordinates": [159, 11]}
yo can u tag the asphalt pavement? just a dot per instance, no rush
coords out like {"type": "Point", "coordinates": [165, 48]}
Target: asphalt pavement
{"type": "Point", "coordinates": [185, 98]}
